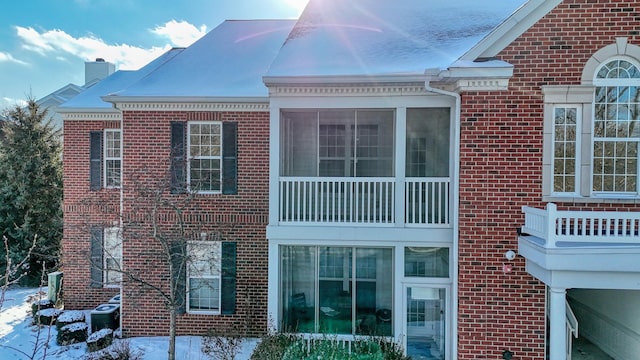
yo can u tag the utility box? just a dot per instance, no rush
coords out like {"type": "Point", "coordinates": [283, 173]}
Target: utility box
{"type": "Point", "coordinates": [105, 316]}
{"type": "Point", "coordinates": [54, 286]}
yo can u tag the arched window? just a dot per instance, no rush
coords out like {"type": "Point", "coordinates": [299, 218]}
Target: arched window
{"type": "Point", "coordinates": [616, 127]}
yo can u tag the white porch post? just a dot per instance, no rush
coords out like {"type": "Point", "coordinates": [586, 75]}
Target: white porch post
{"type": "Point", "coordinates": [400, 153]}
{"type": "Point", "coordinates": [557, 324]}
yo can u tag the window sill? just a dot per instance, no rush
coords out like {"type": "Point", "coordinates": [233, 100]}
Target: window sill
{"type": "Point", "coordinates": [203, 312]}
{"type": "Point", "coordinates": [591, 200]}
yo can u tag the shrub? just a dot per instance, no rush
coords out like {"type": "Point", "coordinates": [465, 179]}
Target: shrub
{"type": "Point", "coordinates": [222, 345]}
{"type": "Point", "coordinates": [69, 317]}
{"type": "Point", "coordinates": [72, 333]}
{"type": "Point", "coordinates": [100, 339]}
{"type": "Point", "coordinates": [272, 346]}
{"type": "Point", "coordinates": [40, 305]}
{"type": "Point", "coordinates": [119, 350]}
{"type": "Point", "coordinates": [47, 316]}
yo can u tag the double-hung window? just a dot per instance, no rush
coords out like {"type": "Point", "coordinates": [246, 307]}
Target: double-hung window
{"type": "Point", "coordinates": [204, 276]}
{"type": "Point", "coordinates": [105, 169]}
{"type": "Point", "coordinates": [106, 257]}
{"type": "Point", "coordinates": [112, 257]}
{"type": "Point", "coordinates": [112, 158]}
{"type": "Point", "coordinates": [205, 156]}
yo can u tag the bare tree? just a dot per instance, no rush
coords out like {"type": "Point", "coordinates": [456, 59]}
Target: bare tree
{"type": "Point", "coordinates": [175, 243]}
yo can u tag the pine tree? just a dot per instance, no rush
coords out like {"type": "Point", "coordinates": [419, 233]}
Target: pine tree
{"type": "Point", "coordinates": [31, 188]}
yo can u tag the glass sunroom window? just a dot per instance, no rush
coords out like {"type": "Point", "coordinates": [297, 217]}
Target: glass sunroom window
{"type": "Point", "coordinates": [319, 294]}
{"type": "Point", "coordinates": [616, 132]}
{"type": "Point", "coordinates": [337, 143]}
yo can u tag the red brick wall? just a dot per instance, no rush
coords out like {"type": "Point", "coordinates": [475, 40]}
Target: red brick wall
{"type": "Point", "coordinates": [500, 171]}
{"type": "Point", "coordinates": [83, 209]}
{"type": "Point", "coordinates": [241, 218]}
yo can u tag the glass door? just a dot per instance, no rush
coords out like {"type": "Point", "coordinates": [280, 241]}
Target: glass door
{"type": "Point", "coordinates": [425, 325]}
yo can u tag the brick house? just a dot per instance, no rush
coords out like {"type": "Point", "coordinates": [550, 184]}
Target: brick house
{"type": "Point", "coordinates": [440, 172]}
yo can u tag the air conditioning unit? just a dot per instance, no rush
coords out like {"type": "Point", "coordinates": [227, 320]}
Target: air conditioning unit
{"type": "Point", "coordinates": [115, 300]}
{"type": "Point", "coordinates": [105, 316]}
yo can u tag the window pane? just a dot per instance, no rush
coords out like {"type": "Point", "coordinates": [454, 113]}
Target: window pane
{"type": "Point", "coordinates": [205, 174]}
{"type": "Point", "coordinates": [112, 173]}
{"type": "Point", "coordinates": [374, 291]}
{"type": "Point", "coordinates": [428, 145]}
{"type": "Point", "coordinates": [204, 294]}
{"type": "Point", "coordinates": [565, 145]}
{"type": "Point", "coordinates": [298, 277]}
{"type": "Point", "coordinates": [112, 255]}
{"type": "Point", "coordinates": [426, 262]}
{"type": "Point", "coordinates": [334, 290]}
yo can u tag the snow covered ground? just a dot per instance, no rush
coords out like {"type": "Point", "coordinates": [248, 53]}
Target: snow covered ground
{"type": "Point", "coordinates": [18, 337]}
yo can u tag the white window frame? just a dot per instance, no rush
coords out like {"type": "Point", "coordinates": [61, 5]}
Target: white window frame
{"type": "Point", "coordinates": [107, 158]}
{"type": "Point", "coordinates": [196, 270]}
{"type": "Point", "coordinates": [610, 82]}
{"type": "Point", "coordinates": [204, 157]}
{"type": "Point", "coordinates": [112, 250]}
{"type": "Point", "coordinates": [578, 147]}
{"type": "Point", "coordinates": [583, 96]}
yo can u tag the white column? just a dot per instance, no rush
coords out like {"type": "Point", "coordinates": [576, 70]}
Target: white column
{"type": "Point", "coordinates": [400, 153]}
{"type": "Point", "coordinates": [557, 324]}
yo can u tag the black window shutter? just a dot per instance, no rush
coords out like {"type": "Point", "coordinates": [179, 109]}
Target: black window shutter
{"type": "Point", "coordinates": [179, 265]}
{"type": "Point", "coordinates": [96, 257]}
{"type": "Point", "coordinates": [95, 158]}
{"type": "Point", "coordinates": [228, 280]}
{"type": "Point", "coordinates": [178, 161]}
{"type": "Point", "coordinates": [230, 158]}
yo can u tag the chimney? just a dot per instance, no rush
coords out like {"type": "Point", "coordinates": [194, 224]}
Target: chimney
{"type": "Point", "coordinates": [95, 71]}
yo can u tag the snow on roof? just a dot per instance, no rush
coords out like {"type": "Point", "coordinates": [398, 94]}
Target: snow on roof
{"type": "Point", "coordinates": [229, 61]}
{"type": "Point", "coordinates": [91, 98]}
{"type": "Point", "coordinates": [378, 37]}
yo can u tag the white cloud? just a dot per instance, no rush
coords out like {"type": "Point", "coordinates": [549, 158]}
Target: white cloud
{"type": "Point", "coordinates": [10, 102]}
{"type": "Point", "coordinates": [6, 57]}
{"type": "Point", "coordinates": [59, 44]}
{"type": "Point", "coordinates": [181, 34]}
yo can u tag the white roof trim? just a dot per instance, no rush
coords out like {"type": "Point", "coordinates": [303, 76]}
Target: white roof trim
{"type": "Point", "coordinates": [514, 26]}
{"type": "Point", "coordinates": [89, 115]}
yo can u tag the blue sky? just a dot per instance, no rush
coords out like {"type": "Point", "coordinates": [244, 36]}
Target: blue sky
{"type": "Point", "coordinates": [44, 43]}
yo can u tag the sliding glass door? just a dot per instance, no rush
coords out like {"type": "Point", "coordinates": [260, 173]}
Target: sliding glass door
{"type": "Point", "coordinates": [336, 290]}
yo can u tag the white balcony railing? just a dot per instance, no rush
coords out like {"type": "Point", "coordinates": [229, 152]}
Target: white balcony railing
{"type": "Point", "coordinates": [365, 200]}
{"type": "Point", "coordinates": [581, 227]}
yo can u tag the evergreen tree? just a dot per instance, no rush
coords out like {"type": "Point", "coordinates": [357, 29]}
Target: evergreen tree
{"type": "Point", "coordinates": [31, 189]}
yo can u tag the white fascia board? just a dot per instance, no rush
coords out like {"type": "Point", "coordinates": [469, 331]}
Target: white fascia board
{"type": "Point", "coordinates": [486, 69]}
{"type": "Point", "coordinates": [514, 26]}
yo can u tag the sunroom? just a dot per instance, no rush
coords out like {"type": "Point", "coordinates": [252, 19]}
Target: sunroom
{"type": "Point", "coordinates": [349, 166]}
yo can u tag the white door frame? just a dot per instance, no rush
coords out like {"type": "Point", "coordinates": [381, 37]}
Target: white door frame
{"type": "Point", "coordinates": [447, 308]}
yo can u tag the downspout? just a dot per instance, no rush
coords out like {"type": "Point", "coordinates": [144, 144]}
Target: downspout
{"type": "Point", "coordinates": [456, 184]}
{"type": "Point", "coordinates": [121, 206]}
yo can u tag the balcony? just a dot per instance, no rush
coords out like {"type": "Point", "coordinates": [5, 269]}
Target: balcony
{"type": "Point", "coordinates": [581, 249]}
{"type": "Point", "coordinates": [364, 201]}
{"type": "Point", "coordinates": [581, 228]}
